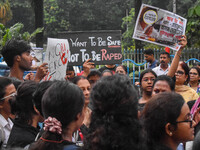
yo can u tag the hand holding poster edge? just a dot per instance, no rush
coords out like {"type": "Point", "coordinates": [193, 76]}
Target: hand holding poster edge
{"type": "Point", "coordinates": [151, 19]}
{"type": "Point", "coordinates": [57, 56]}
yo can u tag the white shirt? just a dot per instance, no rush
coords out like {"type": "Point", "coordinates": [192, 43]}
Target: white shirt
{"type": "Point", "coordinates": [7, 126]}
{"type": "Point", "coordinates": [159, 71]}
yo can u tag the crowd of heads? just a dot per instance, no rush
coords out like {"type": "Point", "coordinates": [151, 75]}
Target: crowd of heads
{"type": "Point", "coordinates": [101, 109]}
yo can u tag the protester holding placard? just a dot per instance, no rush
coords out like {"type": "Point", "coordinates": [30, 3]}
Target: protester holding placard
{"type": "Point", "coordinates": [16, 53]}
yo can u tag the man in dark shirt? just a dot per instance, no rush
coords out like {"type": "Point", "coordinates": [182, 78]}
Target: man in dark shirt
{"type": "Point", "coordinates": [149, 57]}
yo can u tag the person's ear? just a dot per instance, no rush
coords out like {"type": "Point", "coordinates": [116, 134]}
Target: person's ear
{"type": "Point", "coordinates": [169, 128]}
{"type": "Point", "coordinates": [78, 116]}
{"type": "Point", "coordinates": [36, 110]}
{"type": "Point", "coordinates": [18, 58]}
{"type": "Point", "coordinates": [1, 105]}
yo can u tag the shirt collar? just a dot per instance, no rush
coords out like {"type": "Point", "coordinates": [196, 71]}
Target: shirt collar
{"type": "Point", "coordinates": [162, 69]}
{"type": "Point", "coordinates": [4, 122]}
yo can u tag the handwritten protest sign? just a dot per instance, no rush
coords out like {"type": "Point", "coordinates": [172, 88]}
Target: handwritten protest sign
{"type": "Point", "coordinates": [103, 47]}
{"type": "Point", "coordinates": [159, 26]}
{"type": "Point", "coordinates": [56, 56]}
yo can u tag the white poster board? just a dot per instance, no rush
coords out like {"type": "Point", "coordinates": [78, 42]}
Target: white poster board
{"type": "Point", "coordinates": [159, 27]}
{"type": "Point", "coordinates": [56, 56]}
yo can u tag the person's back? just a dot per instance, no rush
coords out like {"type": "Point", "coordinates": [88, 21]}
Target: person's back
{"type": "Point", "coordinates": [64, 113]}
{"type": "Point", "coordinates": [114, 124]}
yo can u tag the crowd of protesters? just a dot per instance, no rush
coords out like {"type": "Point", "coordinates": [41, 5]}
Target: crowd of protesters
{"type": "Point", "coordinates": [99, 109]}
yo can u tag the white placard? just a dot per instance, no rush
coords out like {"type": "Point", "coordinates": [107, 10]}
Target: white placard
{"type": "Point", "coordinates": [57, 55]}
{"type": "Point", "coordinates": [159, 27]}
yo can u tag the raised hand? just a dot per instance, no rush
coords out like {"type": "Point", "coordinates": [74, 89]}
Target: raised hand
{"type": "Point", "coordinates": [42, 71]}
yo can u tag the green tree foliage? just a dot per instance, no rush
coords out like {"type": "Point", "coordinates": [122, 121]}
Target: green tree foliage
{"type": "Point", "coordinates": [128, 24]}
{"type": "Point", "coordinates": [15, 32]}
{"type": "Point", "coordinates": [193, 25]}
{"type": "Point", "coordinates": [5, 12]}
{"type": "Point", "coordinates": [54, 18]}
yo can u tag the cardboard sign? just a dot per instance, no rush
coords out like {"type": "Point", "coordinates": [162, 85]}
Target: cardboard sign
{"type": "Point", "coordinates": [103, 47]}
{"type": "Point", "coordinates": [159, 27]}
{"type": "Point", "coordinates": [56, 56]}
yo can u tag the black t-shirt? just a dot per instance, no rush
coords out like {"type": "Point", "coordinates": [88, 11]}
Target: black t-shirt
{"type": "Point", "coordinates": [22, 134]}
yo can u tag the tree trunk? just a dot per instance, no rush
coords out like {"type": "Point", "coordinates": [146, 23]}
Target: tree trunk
{"type": "Point", "coordinates": [38, 8]}
{"type": "Point", "coordinates": [138, 4]}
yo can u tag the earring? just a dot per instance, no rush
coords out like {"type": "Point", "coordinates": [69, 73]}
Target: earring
{"type": "Point", "coordinates": [170, 133]}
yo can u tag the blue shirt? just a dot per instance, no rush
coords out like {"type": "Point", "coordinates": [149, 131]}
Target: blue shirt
{"type": "Point", "coordinates": [153, 64]}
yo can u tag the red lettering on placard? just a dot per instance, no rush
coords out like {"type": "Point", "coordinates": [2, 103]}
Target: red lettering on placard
{"type": "Point", "coordinates": [175, 20]}
{"type": "Point", "coordinates": [180, 22]}
{"type": "Point", "coordinates": [105, 56]}
{"type": "Point", "coordinates": [166, 34]}
{"type": "Point", "coordinates": [63, 59]}
{"type": "Point", "coordinates": [170, 18]}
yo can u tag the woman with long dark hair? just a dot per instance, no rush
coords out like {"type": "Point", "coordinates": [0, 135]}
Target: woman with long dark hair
{"type": "Point", "coordinates": [63, 108]}
{"type": "Point", "coordinates": [114, 124]}
{"type": "Point", "coordinates": [167, 121]}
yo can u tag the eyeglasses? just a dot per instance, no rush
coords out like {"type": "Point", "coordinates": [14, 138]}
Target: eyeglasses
{"type": "Point", "coordinates": [189, 120]}
{"type": "Point", "coordinates": [180, 72]}
{"type": "Point", "coordinates": [11, 95]}
{"type": "Point", "coordinates": [193, 73]}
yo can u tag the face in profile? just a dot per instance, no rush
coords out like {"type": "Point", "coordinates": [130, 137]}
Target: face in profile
{"type": "Point", "coordinates": [185, 126]}
{"type": "Point", "coordinates": [148, 58]}
{"type": "Point", "coordinates": [25, 61]}
{"type": "Point", "coordinates": [5, 101]}
{"type": "Point", "coordinates": [161, 86]}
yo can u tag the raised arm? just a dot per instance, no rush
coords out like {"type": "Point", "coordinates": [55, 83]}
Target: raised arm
{"type": "Point", "coordinates": [87, 65]}
{"type": "Point", "coordinates": [175, 61]}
